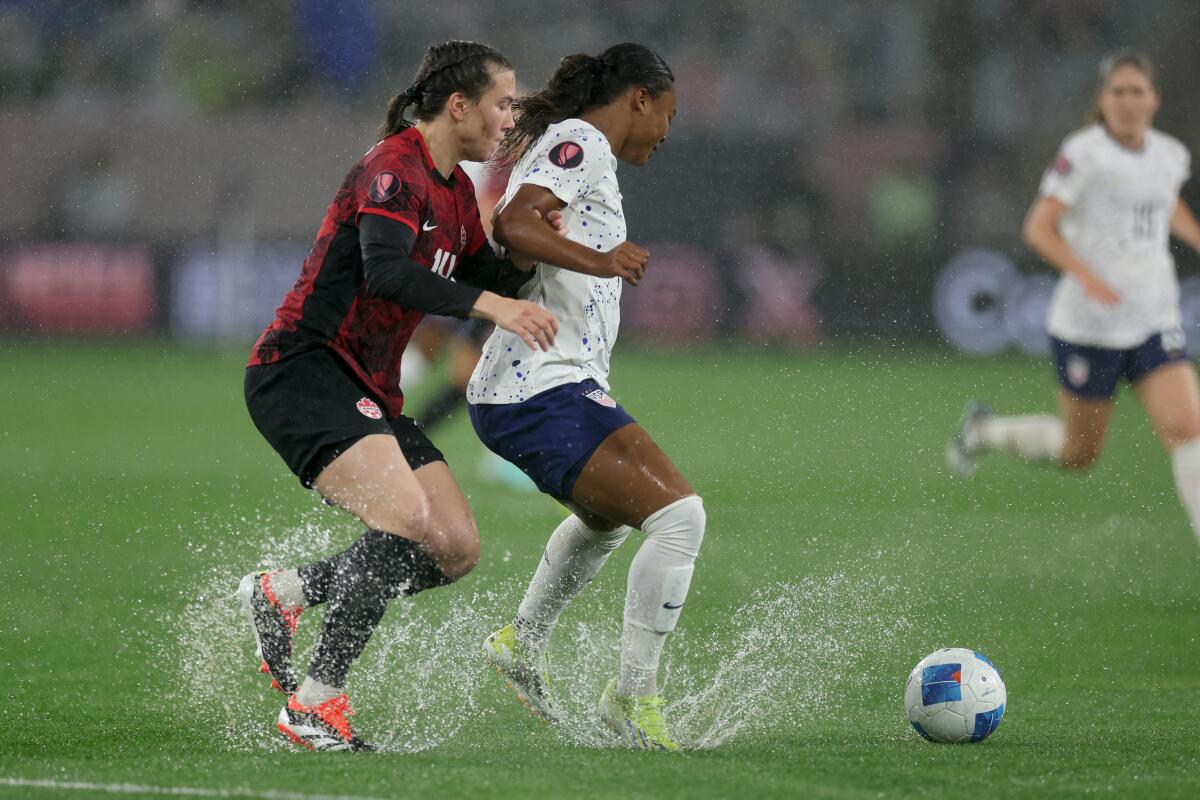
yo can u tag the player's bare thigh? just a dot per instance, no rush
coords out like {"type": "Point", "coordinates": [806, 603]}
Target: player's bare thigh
{"type": "Point", "coordinates": [372, 480]}
{"type": "Point", "coordinates": [627, 479]}
{"type": "Point", "coordinates": [452, 539]}
{"type": "Point", "coordinates": [1171, 397]}
{"type": "Point", "coordinates": [1085, 422]}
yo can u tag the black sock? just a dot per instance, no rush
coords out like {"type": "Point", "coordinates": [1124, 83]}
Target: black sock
{"type": "Point", "coordinates": [376, 568]}
{"type": "Point", "coordinates": [441, 408]}
{"type": "Point", "coordinates": [316, 578]}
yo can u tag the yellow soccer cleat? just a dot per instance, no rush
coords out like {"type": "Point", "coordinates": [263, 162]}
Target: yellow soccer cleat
{"type": "Point", "coordinates": [525, 675]}
{"type": "Point", "coordinates": [637, 721]}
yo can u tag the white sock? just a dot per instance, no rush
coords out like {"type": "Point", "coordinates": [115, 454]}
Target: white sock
{"type": "Point", "coordinates": [313, 692]}
{"type": "Point", "coordinates": [658, 584]}
{"type": "Point", "coordinates": [1185, 461]}
{"type": "Point", "coordinates": [1035, 437]}
{"type": "Point", "coordinates": [286, 587]}
{"type": "Point", "coordinates": [572, 558]}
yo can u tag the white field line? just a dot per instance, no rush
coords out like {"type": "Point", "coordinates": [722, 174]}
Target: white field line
{"type": "Point", "coordinates": [171, 791]}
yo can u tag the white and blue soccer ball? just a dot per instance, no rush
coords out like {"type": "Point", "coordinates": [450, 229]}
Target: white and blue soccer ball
{"type": "Point", "coordinates": [955, 695]}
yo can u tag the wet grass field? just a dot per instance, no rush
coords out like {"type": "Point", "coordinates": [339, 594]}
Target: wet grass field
{"type": "Point", "coordinates": [134, 492]}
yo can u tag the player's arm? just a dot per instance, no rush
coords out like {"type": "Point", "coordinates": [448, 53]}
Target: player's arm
{"type": "Point", "coordinates": [521, 228]}
{"type": "Point", "coordinates": [1184, 225]}
{"type": "Point", "coordinates": [501, 274]}
{"type": "Point", "coordinates": [1040, 232]}
{"type": "Point", "coordinates": [391, 274]}
{"type": "Point", "coordinates": [484, 269]}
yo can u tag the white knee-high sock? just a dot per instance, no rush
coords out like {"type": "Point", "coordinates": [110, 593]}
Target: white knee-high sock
{"type": "Point", "coordinates": [1185, 461]}
{"type": "Point", "coordinates": [572, 558]}
{"type": "Point", "coordinates": [658, 584]}
{"type": "Point", "coordinates": [1035, 437]}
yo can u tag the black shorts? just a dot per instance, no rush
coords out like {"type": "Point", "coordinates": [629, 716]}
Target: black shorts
{"type": "Point", "coordinates": [312, 408]}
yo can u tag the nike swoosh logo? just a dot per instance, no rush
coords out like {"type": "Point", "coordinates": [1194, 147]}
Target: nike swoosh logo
{"type": "Point", "coordinates": [670, 607]}
{"type": "Point", "coordinates": [427, 227]}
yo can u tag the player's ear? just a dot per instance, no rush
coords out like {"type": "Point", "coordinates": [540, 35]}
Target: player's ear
{"type": "Point", "coordinates": [640, 100]}
{"type": "Point", "coordinates": [458, 104]}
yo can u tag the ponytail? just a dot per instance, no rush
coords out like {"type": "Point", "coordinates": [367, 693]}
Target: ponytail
{"type": "Point", "coordinates": [450, 67]}
{"type": "Point", "coordinates": [580, 83]}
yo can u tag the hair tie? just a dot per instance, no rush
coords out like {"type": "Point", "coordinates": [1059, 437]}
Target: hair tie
{"type": "Point", "coordinates": [411, 95]}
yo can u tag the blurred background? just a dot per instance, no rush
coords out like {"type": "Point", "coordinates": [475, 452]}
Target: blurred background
{"type": "Point", "coordinates": [838, 171]}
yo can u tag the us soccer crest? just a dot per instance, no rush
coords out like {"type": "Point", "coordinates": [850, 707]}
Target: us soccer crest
{"type": "Point", "coordinates": [1078, 370]}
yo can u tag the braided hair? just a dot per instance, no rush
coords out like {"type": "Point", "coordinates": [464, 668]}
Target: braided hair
{"type": "Point", "coordinates": [450, 67]}
{"type": "Point", "coordinates": [582, 82]}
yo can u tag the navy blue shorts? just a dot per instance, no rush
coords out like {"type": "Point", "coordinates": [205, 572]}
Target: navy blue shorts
{"type": "Point", "coordinates": [1095, 371]}
{"type": "Point", "coordinates": [551, 435]}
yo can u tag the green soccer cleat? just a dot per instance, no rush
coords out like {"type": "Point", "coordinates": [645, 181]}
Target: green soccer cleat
{"type": "Point", "coordinates": [637, 721]}
{"type": "Point", "coordinates": [526, 676]}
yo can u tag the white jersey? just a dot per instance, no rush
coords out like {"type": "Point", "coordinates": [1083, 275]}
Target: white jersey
{"type": "Point", "coordinates": [1119, 207]}
{"type": "Point", "coordinates": [574, 161]}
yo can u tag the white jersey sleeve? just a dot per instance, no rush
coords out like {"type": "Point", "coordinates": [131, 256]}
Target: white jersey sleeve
{"type": "Point", "coordinates": [569, 162]}
{"type": "Point", "coordinates": [1067, 178]}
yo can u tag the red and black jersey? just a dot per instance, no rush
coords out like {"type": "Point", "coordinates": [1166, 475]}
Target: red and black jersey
{"type": "Point", "coordinates": [329, 305]}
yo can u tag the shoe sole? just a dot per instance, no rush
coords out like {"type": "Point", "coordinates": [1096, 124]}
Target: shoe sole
{"type": "Point", "coordinates": [542, 716]}
{"type": "Point", "coordinates": [245, 596]}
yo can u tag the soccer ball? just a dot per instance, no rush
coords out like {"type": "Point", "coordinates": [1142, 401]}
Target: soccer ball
{"type": "Point", "coordinates": [955, 695]}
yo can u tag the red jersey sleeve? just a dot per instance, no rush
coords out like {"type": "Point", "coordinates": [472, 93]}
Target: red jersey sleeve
{"type": "Point", "coordinates": [393, 188]}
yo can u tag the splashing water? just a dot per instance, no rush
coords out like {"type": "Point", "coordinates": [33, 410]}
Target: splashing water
{"type": "Point", "coordinates": [777, 661]}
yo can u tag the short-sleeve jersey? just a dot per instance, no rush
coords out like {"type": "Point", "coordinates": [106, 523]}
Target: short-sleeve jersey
{"type": "Point", "coordinates": [1119, 207]}
{"type": "Point", "coordinates": [329, 305]}
{"type": "Point", "coordinates": [575, 161]}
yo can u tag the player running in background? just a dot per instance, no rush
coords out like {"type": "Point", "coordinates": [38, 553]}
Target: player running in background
{"type": "Point", "coordinates": [550, 412]}
{"type": "Point", "coordinates": [323, 381]}
{"type": "Point", "coordinates": [1103, 218]}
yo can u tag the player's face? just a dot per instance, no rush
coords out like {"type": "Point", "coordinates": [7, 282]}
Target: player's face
{"type": "Point", "coordinates": [651, 124]}
{"type": "Point", "coordinates": [486, 122]}
{"type": "Point", "coordinates": [1128, 101]}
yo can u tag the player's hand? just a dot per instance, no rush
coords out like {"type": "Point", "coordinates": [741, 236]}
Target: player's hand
{"type": "Point", "coordinates": [535, 325]}
{"type": "Point", "coordinates": [1098, 290]}
{"type": "Point", "coordinates": [626, 260]}
{"type": "Point", "coordinates": [555, 218]}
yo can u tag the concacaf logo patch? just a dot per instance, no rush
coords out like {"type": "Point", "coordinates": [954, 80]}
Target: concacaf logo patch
{"type": "Point", "coordinates": [368, 408]}
{"type": "Point", "coordinates": [567, 155]}
{"type": "Point", "coordinates": [384, 187]}
{"type": "Point", "coordinates": [1062, 166]}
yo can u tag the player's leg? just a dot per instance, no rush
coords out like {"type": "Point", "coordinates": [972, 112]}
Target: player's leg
{"type": "Point", "coordinates": [577, 549]}
{"type": "Point", "coordinates": [1085, 423]}
{"type": "Point", "coordinates": [1170, 395]}
{"type": "Point", "coordinates": [1074, 438]}
{"type": "Point", "coordinates": [630, 480]}
{"type": "Point", "coordinates": [464, 342]}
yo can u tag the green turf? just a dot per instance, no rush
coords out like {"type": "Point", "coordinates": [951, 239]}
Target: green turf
{"type": "Point", "coordinates": [135, 491]}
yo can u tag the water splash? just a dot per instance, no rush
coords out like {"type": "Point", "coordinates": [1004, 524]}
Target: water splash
{"type": "Point", "coordinates": [794, 653]}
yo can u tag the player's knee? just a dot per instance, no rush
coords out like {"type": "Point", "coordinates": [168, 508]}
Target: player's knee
{"type": "Point", "coordinates": [606, 537]}
{"type": "Point", "coordinates": [463, 555]}
{"type": "Point", "coordinates": [1181, 432]}
{"type": "Point", "coordinates": [1079, 458]}
{"type": "Point", "coordinates": [678, 526]}
{"type": "Point", "coordinates": [404, 516]}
